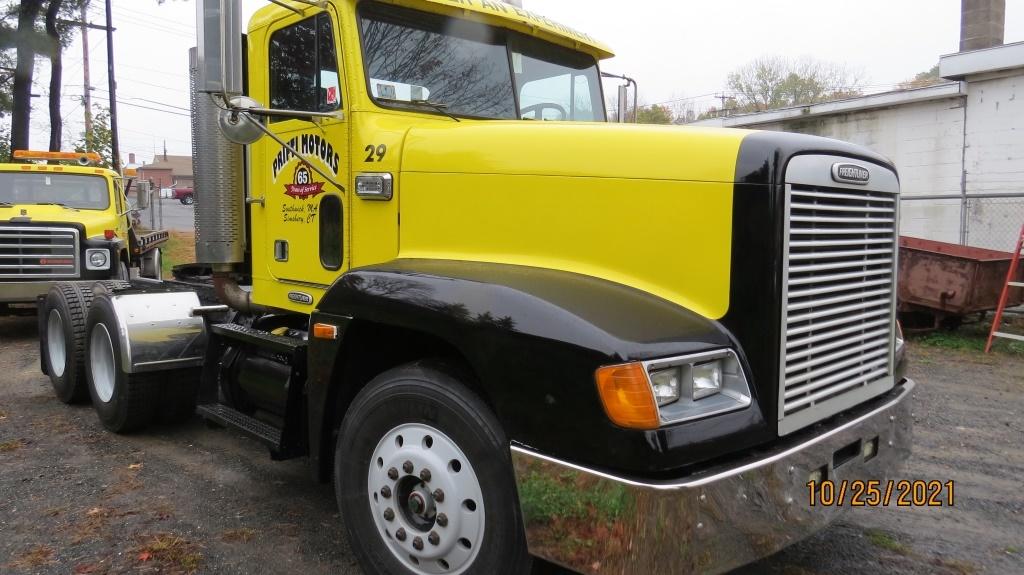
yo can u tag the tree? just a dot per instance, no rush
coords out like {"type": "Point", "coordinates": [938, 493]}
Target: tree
{"type": "Point", "coordinates": [56, 70]}
{"type": "Point", "coordinates": [28, 42]}
{"type": "Point", "coordinates": [776, 82]}
{"type": "Point", "coordinates": [654, 114]}
{"type": "Point", "coordinates": [100, 139]}
{"type": "Point", "coordinates": [922, 79]}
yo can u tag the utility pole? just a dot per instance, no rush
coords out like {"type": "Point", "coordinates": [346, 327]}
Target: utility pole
{"type": "Point", "coordinates": [724, 98]}
{"type": "Point", "coordinates": [86, 96]}
{"type": "Point", "coordinates": [115, 152]}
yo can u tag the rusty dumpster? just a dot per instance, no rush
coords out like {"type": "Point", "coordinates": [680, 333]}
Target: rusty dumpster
{"type": "Point", "coordinates": [949, 281]}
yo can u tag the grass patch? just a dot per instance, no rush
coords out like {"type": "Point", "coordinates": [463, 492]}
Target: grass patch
{"type": "Point", "coordinates": [168, 553]}
{"type": "Point", "coordinates": [971, 337]}
{"type": "Point", "coordinates": [242, 535]}
{"type": "Point", "coordinates": [12, 445]}
{"type": "Point", "coordinates": [180, 248]}
{"type": "Point", "coordinates": [547, 497]}
{"type": "Point", "coordinates": [886, 541]}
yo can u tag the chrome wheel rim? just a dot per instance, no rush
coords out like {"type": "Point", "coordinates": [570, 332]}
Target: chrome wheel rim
{"type": "Point", "coordinates": [55, 348]}
{"type": "Point", "coordinates": [426, 500]}
{"type": "Point", "coordinates": [101, 362]}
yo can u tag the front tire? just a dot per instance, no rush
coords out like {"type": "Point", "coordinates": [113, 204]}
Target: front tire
{"type": "Point", "coordinates": [188, 200]}
{"type": "Point", "coordinates": [124, 402]}
{"type": "Point", "coordinates": [424, 479]}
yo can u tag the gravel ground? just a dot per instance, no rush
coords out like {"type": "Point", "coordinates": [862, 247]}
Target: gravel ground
{"type": "Point", "coordinates": [76, 499]}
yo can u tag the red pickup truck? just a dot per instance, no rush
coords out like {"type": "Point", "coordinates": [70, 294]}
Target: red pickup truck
{"type": "Point", "coordinates": [185, 195]}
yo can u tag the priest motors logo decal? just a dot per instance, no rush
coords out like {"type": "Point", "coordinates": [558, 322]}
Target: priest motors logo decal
{"type": "Point", "coordinates": [303, 186]}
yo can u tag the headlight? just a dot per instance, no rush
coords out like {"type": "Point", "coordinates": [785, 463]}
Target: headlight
{"type": "Point", "coordinates": [97, 259]}
{"type": "Point", "coordinates": [710, 383]}
{"type": "Point", "coordinates": [666, 386]}
{"type": "Point", "coordinates": [655, 393]}
{"type": "Point", "coordinates": [707, 379]}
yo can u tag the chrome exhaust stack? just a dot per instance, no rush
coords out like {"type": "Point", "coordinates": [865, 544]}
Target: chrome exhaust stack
{"type": "Point", "coordinates": [217, 76]}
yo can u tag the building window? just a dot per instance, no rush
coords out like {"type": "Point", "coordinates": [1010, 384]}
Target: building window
{"type": "Point", "coordinates": [304, 67]}
{"type": "Point", "coordinates": [331, 242]}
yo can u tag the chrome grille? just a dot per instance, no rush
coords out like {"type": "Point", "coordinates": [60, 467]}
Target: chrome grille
{"type": "Point", "coordinates": [838, 311]}
{"type": "Point", "coordinates": [38, 253]}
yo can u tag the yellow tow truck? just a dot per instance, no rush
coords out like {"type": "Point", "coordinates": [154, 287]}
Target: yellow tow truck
{"type": "Point", "coordinates": [503, 327]}
{"type": "Point", "coordinates": [61, 222]}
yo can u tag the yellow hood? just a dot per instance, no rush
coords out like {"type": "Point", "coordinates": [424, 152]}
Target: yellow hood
{"type": "Point", "coordinates": [575, 149]}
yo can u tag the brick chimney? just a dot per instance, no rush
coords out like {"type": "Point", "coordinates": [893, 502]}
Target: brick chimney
{"type": "Point", "coordinates": [981, 24]}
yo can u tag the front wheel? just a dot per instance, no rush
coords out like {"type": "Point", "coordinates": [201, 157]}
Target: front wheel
{"type": "Point", "coordinates": [188, 200]}
{"type": "Point", "coordinates": [424, 479]}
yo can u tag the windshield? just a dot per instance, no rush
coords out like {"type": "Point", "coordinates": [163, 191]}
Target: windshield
{"type": "Point", "coordinates": [75, 191]}
{"type": "Point", "coordinates": [475, 70]}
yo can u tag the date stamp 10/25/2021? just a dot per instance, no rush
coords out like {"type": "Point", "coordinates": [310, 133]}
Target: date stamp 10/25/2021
{"type": "Point", "coordinates": [874, 493]}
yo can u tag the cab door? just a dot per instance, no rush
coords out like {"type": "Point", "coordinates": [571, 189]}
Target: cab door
{"type": "Point", "coordinates": [305, 202]}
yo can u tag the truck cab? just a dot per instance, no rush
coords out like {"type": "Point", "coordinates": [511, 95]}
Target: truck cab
{"type": "Point", "coordinates": [60, 223]}
{"type": "Point", "coordinates": [433, 269]}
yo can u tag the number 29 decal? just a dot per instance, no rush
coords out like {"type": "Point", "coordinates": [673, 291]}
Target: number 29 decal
{"type": "Point", "coordinates": [375, 153]}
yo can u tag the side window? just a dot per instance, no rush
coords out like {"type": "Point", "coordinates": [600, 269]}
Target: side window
{"type": "Point", "coordinates": [330, 232]}
{"type": "Point", "coordinates": [304, 67]}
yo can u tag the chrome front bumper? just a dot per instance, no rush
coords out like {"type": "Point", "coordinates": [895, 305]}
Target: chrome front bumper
{"type": "Point", "coordinates": [709, 522]}
{"type": "Point", "coordinates": [26, 291]}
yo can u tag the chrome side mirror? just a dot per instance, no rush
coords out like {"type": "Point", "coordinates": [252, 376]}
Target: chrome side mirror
{"type": "Point", "coordinates": [237, 124]}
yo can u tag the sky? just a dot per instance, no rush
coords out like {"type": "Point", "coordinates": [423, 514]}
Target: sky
{"type": "Point", "coordinates": [676, 50]}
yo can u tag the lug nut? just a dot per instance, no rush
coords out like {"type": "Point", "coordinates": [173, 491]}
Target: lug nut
{"type": "Point", "coordinates": [407, 466]}
{"type": "Point", "coordinates": [417, 544]}
{"type": "Point", "coordinates": [434, 538]}
{"type": "Point", "coordinates": [393, 474]}
{"type": "Point", "coordinates": [385, 492]}
{"type": "Point", "coordinates": [442, 520]}
{"type": "Point", "coordinates": [425, 475]}
{"type": "Point", "coordinates": [389, 514]}
{"type": "Point", "coordinates": [400, 534]}
{"type": "Point", "coordinates": [439, 495]}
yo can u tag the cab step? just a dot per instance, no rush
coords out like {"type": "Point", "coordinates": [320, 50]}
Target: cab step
{"type": "Point", "coordinates": [228, 417]}
{"type": "Point", "coordinates": [259, 338]}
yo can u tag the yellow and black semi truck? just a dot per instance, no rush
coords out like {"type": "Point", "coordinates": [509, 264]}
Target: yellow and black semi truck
{"type": "Point", "coordinates": [501, 326]}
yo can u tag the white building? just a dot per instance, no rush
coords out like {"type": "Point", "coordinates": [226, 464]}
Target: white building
{"type": "Point", "coordinates": [959, 145]}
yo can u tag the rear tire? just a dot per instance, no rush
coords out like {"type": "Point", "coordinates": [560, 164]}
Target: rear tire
{"type": "Point", "coordinates": [188, 200]}
{"type": "Point", "coordinates": [454, 436]}
{"type": "Point", "coordinates": [63, 340]}
{"type": "Point", "coordinates": [124, 402]}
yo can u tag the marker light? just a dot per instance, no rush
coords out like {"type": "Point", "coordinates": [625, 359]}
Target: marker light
{"type": "Point", "coordinates": [109, 234]}
{"type": "Point", "coordinates": [627, 396]}
{"type": "Point", "coordinates": [84, 158]}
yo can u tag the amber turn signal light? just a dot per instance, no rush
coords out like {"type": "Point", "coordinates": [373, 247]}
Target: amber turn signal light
{"type": "Point", "coordinates": [325, 331]}
{"type": "Point", "coordinates": [627, 396]}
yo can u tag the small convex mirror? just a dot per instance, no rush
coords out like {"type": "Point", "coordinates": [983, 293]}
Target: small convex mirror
{"type": "Point", "coordinates": [236, 124]}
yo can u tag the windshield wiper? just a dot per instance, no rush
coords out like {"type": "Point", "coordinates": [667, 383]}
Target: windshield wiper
{"type": "Point", "coordinates": [438, 106]}
{"type": "Point", "coordinates": [65, 206]}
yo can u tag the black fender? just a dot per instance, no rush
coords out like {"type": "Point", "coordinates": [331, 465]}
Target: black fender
{"type": "Point", "coordinates": [533, 338]}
